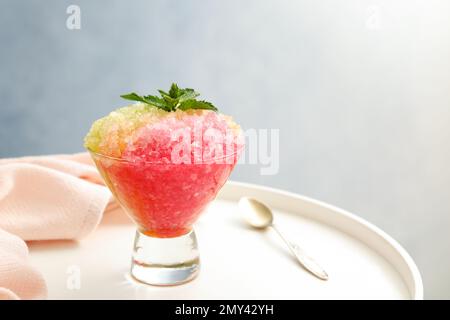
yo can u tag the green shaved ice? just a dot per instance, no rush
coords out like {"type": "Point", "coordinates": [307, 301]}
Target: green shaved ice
{"type": "Point", "coordinates": [109, 135]}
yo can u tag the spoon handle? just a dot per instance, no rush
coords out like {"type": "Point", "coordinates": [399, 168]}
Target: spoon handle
{"type": "Point", "coordinates": [306, 261]}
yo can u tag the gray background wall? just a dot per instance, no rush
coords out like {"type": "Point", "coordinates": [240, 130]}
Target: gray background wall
{"type": "Point", "coordinates": [360, 91]}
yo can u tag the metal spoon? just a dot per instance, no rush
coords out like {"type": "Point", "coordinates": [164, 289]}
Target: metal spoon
{"type": "Point", "coordinates": [260, 216]}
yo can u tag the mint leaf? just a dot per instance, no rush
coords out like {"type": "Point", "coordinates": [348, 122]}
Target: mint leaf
{"type": "Point", "coordinates": [174, 91]}
{"type": "Point", "coordinates": [151, 100]}
{"type": "Point", "coordinates": [194, 104]}
{"type": "Point", "coordinates": [157, 102]}
{"type": "Point", "coordinates": [133, 96]}
{"type": "Point", "coordinates": [163, 93]}
{"type": "Point", "coordinates": [176, 98]}
{"type": "Point", "coordinates": [172, 102]}
{"type": "Point", "coordinates": [188, 95]}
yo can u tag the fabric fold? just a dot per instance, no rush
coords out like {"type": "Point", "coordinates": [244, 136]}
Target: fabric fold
{"type": "Point", "coordinates": [44, 198]}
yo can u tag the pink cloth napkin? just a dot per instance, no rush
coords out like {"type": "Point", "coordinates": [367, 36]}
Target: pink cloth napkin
{"type": "Point", "coordinates": [44, 198]}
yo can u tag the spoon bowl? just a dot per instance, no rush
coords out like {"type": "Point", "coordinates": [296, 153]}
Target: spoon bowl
{"type": "Point", "coordinates": [257, 214]}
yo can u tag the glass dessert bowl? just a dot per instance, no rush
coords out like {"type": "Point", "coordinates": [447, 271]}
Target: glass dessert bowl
{"type": "Point", "coordinates": [164, 200]}
{"type": "Point", "coordinates": [164, 182]}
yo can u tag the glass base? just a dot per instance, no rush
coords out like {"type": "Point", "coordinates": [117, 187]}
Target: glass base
{"type": "Point", "coordinates": [165, 261]}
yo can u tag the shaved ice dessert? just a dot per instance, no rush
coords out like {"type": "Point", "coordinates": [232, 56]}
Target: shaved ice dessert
{"type": "Point", "coordinates": [165, 158]}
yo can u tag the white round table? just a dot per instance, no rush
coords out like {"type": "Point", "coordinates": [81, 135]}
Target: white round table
{"type": "Point", "coordinates": [238, 262]}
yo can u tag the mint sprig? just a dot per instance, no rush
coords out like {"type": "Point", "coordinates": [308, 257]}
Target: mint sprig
{"type": "Point", "coordinates": [175, 99]}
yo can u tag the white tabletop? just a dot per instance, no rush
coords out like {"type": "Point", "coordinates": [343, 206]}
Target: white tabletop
{"type": "Point", "coordinates": [238, 262]}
